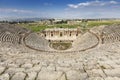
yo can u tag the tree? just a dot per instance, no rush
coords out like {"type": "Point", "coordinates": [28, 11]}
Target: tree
{"type": "Point", "coordinates": [84, 23]}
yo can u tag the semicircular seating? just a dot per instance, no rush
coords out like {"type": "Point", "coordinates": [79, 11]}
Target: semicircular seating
{"type": "Point", "coordinates": [36, 42]}
{"type": "Point", "coordinates": [14, 34]}
{"type": "Point", "coordinates": [8, 37]}
{"type": "Point", "coordinates": [11, 33]}
{"type": "Point", "coordinates": [85, 41]}
{"type": "Point", "coordinates": [111, 34]}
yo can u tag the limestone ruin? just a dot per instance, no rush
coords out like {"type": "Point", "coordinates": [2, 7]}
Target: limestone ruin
{"type": "Point", "coordinates": [61, 34]}
{"type": "Point", "coordinates": [25, 55]}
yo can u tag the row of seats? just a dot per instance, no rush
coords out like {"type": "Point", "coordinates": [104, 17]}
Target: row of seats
{"type": "Point", "coordinates": [111, 34]}
{"type": "Point", "coordinates": [85, 41]}
{"type": "Point", "coordinates": [111, 38]}
{"type": "Point", "coordinates": [12, 33]}
{"type": "Point", "coordinates": [12, 28]}
{"type": "Point", "coordinates": [9, 37]}
{"type": "Point", "coordinates": [35, 41]}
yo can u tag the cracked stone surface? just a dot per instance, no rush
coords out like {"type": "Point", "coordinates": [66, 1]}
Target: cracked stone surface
{"type": "Point", "coordinates": [18, 62]}
{"type": "Point", "coordinates": [99, 63]}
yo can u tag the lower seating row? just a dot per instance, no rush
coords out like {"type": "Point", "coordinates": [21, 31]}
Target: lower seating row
{"type": "Point", "coordinates": [9, 37]}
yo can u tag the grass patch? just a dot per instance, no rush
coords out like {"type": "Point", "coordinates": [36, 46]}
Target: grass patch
{"type": "Point", "coordinates": [98, 23]}
{"type": "Point", "coordinates": [60, 45]}
{"type": "Point", "coordinates": [36, 27]}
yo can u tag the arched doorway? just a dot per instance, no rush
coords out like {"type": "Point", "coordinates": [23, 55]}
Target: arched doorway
{"type": "Point", "coordinates": [61, 34]}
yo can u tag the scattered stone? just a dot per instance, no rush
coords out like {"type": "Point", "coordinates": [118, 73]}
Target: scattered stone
{"type": "Point", "coordinates": [31, 76]}
{"type": "Point", "coordinates": [4, 76]}
{"type": "Point", "coordinates": [113, 72]}
{"type": "Point", "coordinates": [19, 76]}
{"type": "Point", "coordinates": [2, 69]}
{"type": "Point", "coordinates": [76, 75]}
{"type": "Point", "coordinates": [49, 75]}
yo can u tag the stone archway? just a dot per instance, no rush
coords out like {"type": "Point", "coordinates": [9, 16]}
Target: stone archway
{"type": "Point", "coordinates": [61, 34]}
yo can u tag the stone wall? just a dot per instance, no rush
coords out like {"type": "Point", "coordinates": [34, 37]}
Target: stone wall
{"type": "Point", "coordinates": [61, 34]}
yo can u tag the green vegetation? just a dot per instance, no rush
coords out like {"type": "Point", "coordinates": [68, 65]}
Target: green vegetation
{"type": "Point", "coordinates": [60, 45]}
{"type": "Point", "coordinates": [91, 24]}
{"type": "Point", "coordinates": [36, 27]}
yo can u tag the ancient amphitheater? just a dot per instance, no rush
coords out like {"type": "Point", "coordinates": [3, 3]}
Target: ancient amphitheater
{"type": "Point", "coordinates": [24, 55]}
